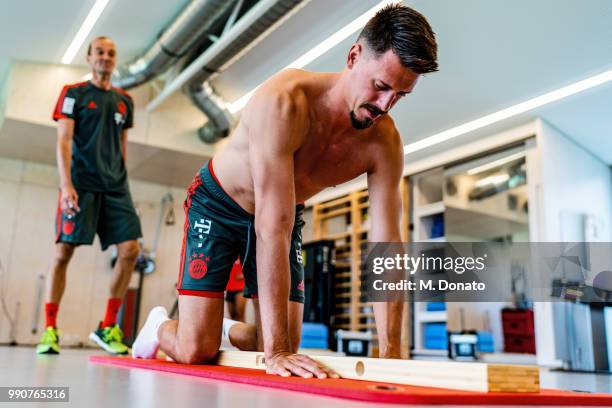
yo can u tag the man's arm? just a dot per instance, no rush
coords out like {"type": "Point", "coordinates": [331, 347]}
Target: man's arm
{"type": "Point", "coordinates": [385, 213]}
{"type": "Point", "coordinates": [276, 122]}
{"type": "Point", "coordinates": [68, 196]}
{"type": "Point", "coordinates": [124, 145]}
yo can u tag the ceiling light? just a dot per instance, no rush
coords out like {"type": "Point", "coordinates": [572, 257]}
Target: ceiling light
{"type": "Point", "coordinates": [514, 110]}
{"type": "Point", "coordinates": [84, 31]}
{"type": "Point", "coordinates": [496, 163]}
{"type": "Point", "coordinates": [498, 179]}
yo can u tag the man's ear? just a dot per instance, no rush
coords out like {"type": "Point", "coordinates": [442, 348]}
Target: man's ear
{"type": "Point", "coordinates": [353, 55]}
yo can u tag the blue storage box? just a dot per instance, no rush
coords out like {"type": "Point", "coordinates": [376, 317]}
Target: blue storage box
{"type": "Point", "coordinates": [437, 227]}
{"type": "Point", "coordinates": [485, 342]}
{"type": "Point", "coordinates": [314, 335]}
{"type": "Point", "coordinates": [435, 306]}
{"type": "Point", "coordinates": [314, 343]}
{"type": "Point", "coordinates": [435, 336]}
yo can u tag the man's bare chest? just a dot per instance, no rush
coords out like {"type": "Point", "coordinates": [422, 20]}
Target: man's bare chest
{"type": "Point", "coordinates": [321, 165]}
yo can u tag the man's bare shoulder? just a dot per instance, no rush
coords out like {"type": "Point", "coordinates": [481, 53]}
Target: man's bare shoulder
{"type": "Point", "coordinates": [386, 136]}
{"type": "Point", "coordinates": [286, 87]}
{"type": "Point", "coordinates": [281, 95]}
{"type": "Point", "coordinates": [385, 147]}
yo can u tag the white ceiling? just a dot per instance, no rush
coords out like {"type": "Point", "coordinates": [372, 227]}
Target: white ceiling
{"type": "Point", "coordinates": [40, 30]}
{"type": "Point", "coordinates": [492, 54]}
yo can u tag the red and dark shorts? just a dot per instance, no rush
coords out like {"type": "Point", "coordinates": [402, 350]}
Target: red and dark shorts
{"type": "Point", "coordinates": [111, 215]}
{"type": "Point", "coordinates": [217, 232]}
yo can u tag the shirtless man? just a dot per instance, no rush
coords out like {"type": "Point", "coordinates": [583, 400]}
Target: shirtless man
{"type": "Point", "coordinates": [300, 133]}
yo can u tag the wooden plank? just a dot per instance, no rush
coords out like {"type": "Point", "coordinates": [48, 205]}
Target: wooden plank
{"type": "Point", "coordinates": [361, 315]}
{"type": "Point", "coordinates": [361, 326]}
{"type": "Point", "coordinates": [405, 234]}
{"type": "Point", "coordinates": [359, 304]}
{"type": "Point", "coordinates": [340, 264]}
{"type": "Point", "coordinates": [317, 223]}
{"type": "Point", "coordinates": [405, 331]}
{"type": "Point", "coordinates": [338, 235]}
{"type": "Point", "coordinates": [355, 258]}
{"type": "Point", "coordinates": [504, 377]}
{"type": "Point", "coordinates": [362, 194]}
{"type": "Point", "coordinates": [333, 203]}
{"type": "Point", "coordinates": [334, 213]}
{"type": "Point", "coordinates": [438, 374]}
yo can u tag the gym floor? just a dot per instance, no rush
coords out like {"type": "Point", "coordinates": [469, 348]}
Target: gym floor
{"type": "Point", "coordinates": [100, 385]}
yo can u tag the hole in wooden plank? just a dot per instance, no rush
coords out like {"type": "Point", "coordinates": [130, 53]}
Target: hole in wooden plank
{"type": "Point", "coordinates": [359, 368]}
{"type": "Point", "coordinates": [385, 387]}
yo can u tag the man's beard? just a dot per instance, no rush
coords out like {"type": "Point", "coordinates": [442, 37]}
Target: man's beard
{"type": "Point", "coordinates": [361, 124]}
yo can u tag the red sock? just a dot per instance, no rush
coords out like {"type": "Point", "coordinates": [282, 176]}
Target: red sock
{"type": "Point", "coordinates": [51, 314]}
{"type": "Point", "coordinates": [112, 308]}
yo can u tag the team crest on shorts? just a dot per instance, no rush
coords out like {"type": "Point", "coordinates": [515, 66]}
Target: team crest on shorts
{"type": "Point", "coordinates": [68, 227]}
{"type": "Point", "coordinates": [198, 265]}
{"type": "Point", "coordinates": [300, 286]}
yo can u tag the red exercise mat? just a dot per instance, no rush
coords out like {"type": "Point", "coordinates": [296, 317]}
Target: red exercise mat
{"type": "Point", "coordinates": [363, 390]}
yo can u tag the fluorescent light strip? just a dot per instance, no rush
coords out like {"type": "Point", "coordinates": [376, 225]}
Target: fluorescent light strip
{"type": "Point", "coordinates": [514, 110]}
{"type": "Point", "coordinates": [500, 178]}
{"type": "Point", "coordinates": [495, 163]}
{"type": "Point", "coordinates": [84, 31]}
{"type": "Point", "coordinates": [319, 50]}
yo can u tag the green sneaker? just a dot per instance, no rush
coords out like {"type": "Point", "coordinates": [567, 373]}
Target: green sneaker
{"type": "Point", "coordinates": [49, 342]}
{"type": "Point", "coordinates": [110, 339]}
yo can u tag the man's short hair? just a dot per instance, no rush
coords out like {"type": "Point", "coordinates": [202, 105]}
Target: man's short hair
{"type": "Point", "coordinates": [101, 37]}
{"type": "Point", "coordinates": [407, 33]}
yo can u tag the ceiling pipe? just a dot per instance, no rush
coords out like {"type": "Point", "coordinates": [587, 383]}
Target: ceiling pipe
{"type": "Point", "coordinates": [220, 119]}
{"type": "Point", "coordinates": [187, 31]}
{"type": "Point", "coordinates": [244, 34]}
{"type": "Point", "coordinates": [215, 32]}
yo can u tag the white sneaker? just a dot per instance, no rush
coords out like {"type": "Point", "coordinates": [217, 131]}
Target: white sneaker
{"type": "Point", "coordinates": [147, 343]}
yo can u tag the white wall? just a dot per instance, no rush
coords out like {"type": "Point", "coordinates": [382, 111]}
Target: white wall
{"type": "Point", "coordinates": [28, 199]}
{"type": "Point", "coordinates": [32, 91]}
{"type": "Point", "coordinates": [572, 182]}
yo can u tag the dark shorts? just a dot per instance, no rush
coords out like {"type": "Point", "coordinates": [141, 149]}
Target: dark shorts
{"type": "Point", "coordinates": [230, 297]}
{"type": "Point", "coordinates": [110, 215]}
{"type": "Point", "coordinates": [217, 232]}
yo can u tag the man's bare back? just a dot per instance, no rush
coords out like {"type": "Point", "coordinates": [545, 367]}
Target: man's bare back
{"type": "Point", "coordinates": [331, 151]}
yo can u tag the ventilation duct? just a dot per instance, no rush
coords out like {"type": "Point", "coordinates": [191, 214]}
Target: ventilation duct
{"type": "Point", "coordinates": [220, 120]}
{"type": "Point", "coordinates": [201, 93]}
{"type": "Point", "coordinates": [199, 26]}
{"type": "Point", "coordinates": [189, 29]}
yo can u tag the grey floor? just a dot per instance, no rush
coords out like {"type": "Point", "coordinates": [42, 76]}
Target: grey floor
{"type": "Point", "coordinates": [93, 385]}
